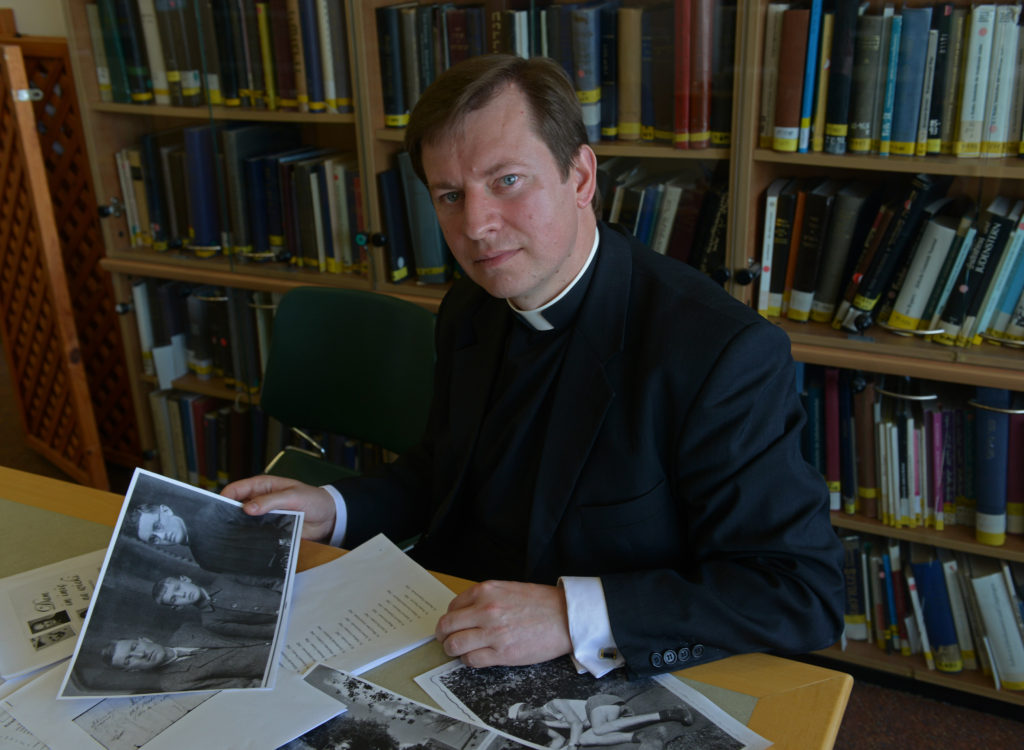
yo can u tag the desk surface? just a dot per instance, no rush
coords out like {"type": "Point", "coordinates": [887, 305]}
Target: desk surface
{"type": "Point", "coordinates": [797, 706]}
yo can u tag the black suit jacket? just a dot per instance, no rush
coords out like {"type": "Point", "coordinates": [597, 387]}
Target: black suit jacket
{"type": "Point", "coordinates": [671, 467]}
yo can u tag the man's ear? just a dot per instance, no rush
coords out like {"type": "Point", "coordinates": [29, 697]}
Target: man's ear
{"type": "Point", "coordinates": [584, 172]}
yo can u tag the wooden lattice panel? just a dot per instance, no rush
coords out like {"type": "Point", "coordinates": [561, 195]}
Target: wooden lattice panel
{"type": "Point", "coordinates": [59, 129]}
{"type": "Point", "coordinates": [36, 317]}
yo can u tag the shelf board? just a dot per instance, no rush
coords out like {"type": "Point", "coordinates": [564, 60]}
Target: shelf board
{"type": "Point", "coordinates": [223, 113]}
{"type": "Point", "coordinates": [211, 387]}
{"type": "Point", "coordinates": [878, 350]}
{"type": "Point", "coordinates": [868, 655]}
{"type": "Point", "coordinates": [1010, 168]}
{"type": "Point", "coordinates": [959, 538]}
{"type": "Point", "coordinates": [642, 149]}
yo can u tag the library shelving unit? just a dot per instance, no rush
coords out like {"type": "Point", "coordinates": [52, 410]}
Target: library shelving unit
{"type": "Point", "coordinates": [877, 350]}
{"type": "Point", "coordinates": [113, 126]}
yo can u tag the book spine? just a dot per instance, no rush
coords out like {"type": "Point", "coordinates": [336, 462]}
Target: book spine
{"type": "Point", "coordinates": [788, 98]}
{"type": "Point", "coordinates": [992, 430]}
{"type": "Point", "coordinates": [610, 74]}
{"type": "Point", "coordinates": [210, 58]}
{"type": "Point", "coordinates": [840, 79]}
{"type": "Point", "coordinates": [921, 148]}
{"type": "Point", "coordinates": [910, 67]}
{"type": "Point", "coordinates": [702, 40]}
{"type": "Point", "coordinates": [889, 96]}
{"type": "Point", "coordinates": [942, 22]}
{"type": "Point", "coordinates": [309, 25]}
{"type": "Point", "coordinates": [995, 133]}
{"type": "Point", "coordinates": [821, 82]}
{"type": "Point", "coordinates": [867, 63]}
{"type": "Point", "coordinates": [977, 57]}
{"type": "Point", "coordinates": [629, 66]}
{"type": "Point", "coordinates": [154, 51]}
{"type": "Point", "coordinates": [771, 203]}
{"type": "Point", "coordinates": [954, 80]}
{"type": "Point", "coordinates": [770, 71]}
{"type": "Point", "coordinates": [586, 46]}
{"type": "Point", "coordinates": [809, 75]}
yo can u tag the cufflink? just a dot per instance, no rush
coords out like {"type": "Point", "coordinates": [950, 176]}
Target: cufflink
{"type": "Point", "coordinates": [607, 653]}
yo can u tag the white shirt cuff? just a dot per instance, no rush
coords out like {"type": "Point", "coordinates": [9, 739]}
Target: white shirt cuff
{"type": "Point", "coordinates": [593, 646]}
{"type": "Point", "coordinates": [340, 516]}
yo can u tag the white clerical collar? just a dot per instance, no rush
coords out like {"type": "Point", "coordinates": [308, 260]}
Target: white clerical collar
{"type": "Point", "coordinates": [536, 317]}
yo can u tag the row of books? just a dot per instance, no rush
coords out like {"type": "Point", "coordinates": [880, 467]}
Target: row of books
{"type": "Point", "coordinates": [275, 55]}
{"type": "Point", "coordinates": [245, 189]}
{"type": "Point", "coordinates": [959, 611]}
{"type": "Point", "coordinates": [906, 255]}
{"type": "Point", "coordinates": [940, 78]}
{"type": "Point", "coordinates": [655, 72]}
{"type": "Point", "coordinates": [918, 454]}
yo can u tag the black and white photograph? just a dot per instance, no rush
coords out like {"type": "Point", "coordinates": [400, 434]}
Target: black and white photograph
{"type": "Point", "coordinates": [375, 718]}
{"type": "Point", "coordinates": [193, 596]}
{"type": "Point", "coordinates": [550, 705]}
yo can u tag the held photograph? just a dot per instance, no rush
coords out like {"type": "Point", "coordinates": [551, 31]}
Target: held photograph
{"type": "Point", "coordinates": [550, 705]}
{"type": "Point", "coordinates": [193, 595]}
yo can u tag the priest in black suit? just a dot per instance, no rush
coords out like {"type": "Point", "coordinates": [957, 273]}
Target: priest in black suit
{"type": "Point", "coordinates": [614, 441]}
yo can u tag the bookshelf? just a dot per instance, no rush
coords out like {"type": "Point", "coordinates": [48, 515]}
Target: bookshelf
{"type": "Point", "coordinates": [751, 168]}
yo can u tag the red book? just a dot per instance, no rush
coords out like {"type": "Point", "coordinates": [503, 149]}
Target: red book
{"type": "Point", "coordinates": [701, 40]}
{"type": "Point", "coordinates": [864, 435]}
{"type": "Point", "coordinates": [789, 94]}
{"type": "Point", "coordinates": [683, 11]}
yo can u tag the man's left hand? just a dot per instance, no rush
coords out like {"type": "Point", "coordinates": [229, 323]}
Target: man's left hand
{"type": "Point", "coordinates": [506, 623]}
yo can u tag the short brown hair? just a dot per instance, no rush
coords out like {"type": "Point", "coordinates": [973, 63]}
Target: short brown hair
{"type": "Point", "coordinates": [472, 84]}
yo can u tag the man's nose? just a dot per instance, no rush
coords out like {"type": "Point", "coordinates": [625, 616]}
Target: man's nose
{"type": "Point", "coordinates": [481, 214]}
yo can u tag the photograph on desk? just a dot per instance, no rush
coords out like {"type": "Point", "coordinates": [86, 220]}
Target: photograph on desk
{"type": "Point", "coordinates": [551, 705]}
{"type": "Point", "coordinates": [193, 595]}
{"type": "Point", "coordinates": [374, 717]}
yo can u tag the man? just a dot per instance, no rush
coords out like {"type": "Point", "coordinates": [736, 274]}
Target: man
{"type": "Point", "coordinates": [244, 606]}
{"type": "Point", "coordinates": [198, 660]}
{"type": "Point", "coordinates": [601, 720]}
{"type": "Point", "coordinates": [613, 439]}
{"type": "Point", "coordinates": [221, 538]}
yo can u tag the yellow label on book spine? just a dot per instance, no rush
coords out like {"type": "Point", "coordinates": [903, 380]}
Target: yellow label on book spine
{"type": "Point", "coordinates": [589, 97]}
{"type": "Point", "coordinates": [837, 129]}
{"type": "Point", "coordinates": [392, 121]}
{"type": "Point", "coordinates": [899, 320]}
{"type": "Point", "coordinates": [629, 130]}
{"type": "Point", "coordinates": [859, 145]}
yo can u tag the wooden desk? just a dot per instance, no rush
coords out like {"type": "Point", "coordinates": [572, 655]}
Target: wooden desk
{"type": "Point", "coordinates": [798, 706]}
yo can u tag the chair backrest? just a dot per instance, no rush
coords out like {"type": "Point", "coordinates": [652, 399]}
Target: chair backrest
{"type": "Point", "coordinates": [353, 363]}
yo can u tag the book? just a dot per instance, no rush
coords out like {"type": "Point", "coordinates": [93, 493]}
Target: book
{"type": "Point", "coordinates": [910, 74]}
{"type": "Point", "coordinates": [209, 53]}
{"type": "Point", "coordinates": [921, 147]}
{"type": "Point", "coordinates": [312, 53]}
{"type": "Point", "coordinates": [770, 70]}
{"type": "Point", "coordinates": [852, 202]}
{"type": "Point", "coordinates": [864, 405]}
{"type": "Point", "coordinates": [923, 190]}
{"type": "Point", "coordinates": [204, 237]}
{"type": "Point", "coordinates": [922, 627]}
{"type": "Point", "coordinates": [942, 23]}
{"type": "Point", "coordinates": [224, 29]}
{"type": "Point", "coordinates": [821, 84]}
{"type": "Point", "coordinates": [949, 271]}
{"type": "Point", "coordinates": [832, 430]}
{"type": "Point", "coordinates": [995, 133]}
{"type": "Point", "coordinates": [983, 256]}
{"type": "Point", "coordinates": [958, 607]}
{"type": "Point", "coordinates": [610, 70]}
{"type": "Point", "coordinates": [99, 53]}
{"type": "Point", "coordinates": [429, 249]}
{"type": "Point", "coordinates": [840, 77]}
{"type": "Point", "coordinates": [156, 198]}
{"type": "Point", "coordinates": [787, 222]}
{"type": "Point", "coordinates": [938, 616]}
{"type": "Point", "coordinates": [154, 51]}
{"type": "Point", "coordinates": [885, 108]}
{"type": "Point", "coordinates": [934, 244]}
{"type": "Point", "coordinates": [283, 55]}
{"type": "Point", "coordinates": [813, 231]}
{"type": "Point", "coordinates": [978, 320]}
{"type": "Point", "coordinates": [702, 43]}
{"type": "Point", "coordinates": [992, 430]}
{"type": "Point", "coordinates": [996, 608]}
{"type": "Point", "coordinates": [810, 75]}
{"type": "Point", "coordinates": [855, 616]}
{"type": "Point", "coordinates": [974, 86]}
{"type": "Point", "coordinates": [586, 48]}
{"type": "Point", "coordinates": [771, 201]}
{"type": "Point", "coordinates": [397, 247]}
{"type": "Point", "coordinates": [1014, 472]}
{"type": "Point", "coordinates": [954, 80]}
{"type": "Point", "coordinates": [133, 47]}
{"type": "Point", "coordinates": [866, 78]}
{"type": "Point", "coordinates": [723, 65]}
{"type": "Point", "coordinates": [629, 67]}
{"type": "Point", "coordinates": [788, 98]}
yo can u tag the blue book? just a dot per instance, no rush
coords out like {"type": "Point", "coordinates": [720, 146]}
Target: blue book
{"type": "Point", "coordinates": [586, 53]}
{"type": "Point", "coordinates": [311, 55]}
{"type": "Point", "coordinates": [991, 429]}
{"type": "Point", "coordinates": [650, 200]}
{"type": "Point", "coordinates": [428, 247]}
{"type": "Point", "coordinates": [397, 248]}
{"type": "Point", "coordinates": [202, 192]}
{"type": "Point", "coordinates": [910, 68]}
{"type": "Point", "coordinates": [156, 200]}
{"type": "Point", "coordinates": [938, 616]}
{"type": "Point", "coordinates": [275, 206]}
{"type": "Point", "coordinates": [256, 194]}
{"type": "Point", "coordinates": [609, 70]}
{"type": "Point", "coordinates": [810, 75]}
{"type": "Point", "coordinates": [889, 97]}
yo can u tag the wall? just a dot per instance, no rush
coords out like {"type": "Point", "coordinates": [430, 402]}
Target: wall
{"type": "Point", "coordinates": [38, 17]}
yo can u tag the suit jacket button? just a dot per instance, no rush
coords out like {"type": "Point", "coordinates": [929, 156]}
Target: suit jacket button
{"type": "Point", "coordinates": [684, 654]}
{"type": "Point", "coordinates": [698, 651]}
{"type": "Point", "coordinates": [655, 660]}
{"type": "Point", "coordinates": [668, 657]}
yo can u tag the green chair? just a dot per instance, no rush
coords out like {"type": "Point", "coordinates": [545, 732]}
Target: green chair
{"type": "Point", "coordinates": [347, 362]}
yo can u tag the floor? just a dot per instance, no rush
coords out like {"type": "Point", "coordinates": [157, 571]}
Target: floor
{"type": "Point", "coordinates": [877, 717]}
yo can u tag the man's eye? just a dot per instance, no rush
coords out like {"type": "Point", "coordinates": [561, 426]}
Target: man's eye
{"type": "Point", "coordinates": [451, 197]}
{"type": "Point", "coordinates": [509, 179]}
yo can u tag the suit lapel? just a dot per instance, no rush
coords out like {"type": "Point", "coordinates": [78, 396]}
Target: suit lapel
{"type": "Point", "coordinates": [583, 392]}
{"type": "Point", "coordinates": [474, 363]}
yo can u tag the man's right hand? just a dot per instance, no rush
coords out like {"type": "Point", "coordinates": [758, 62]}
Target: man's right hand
{"type": "Point", "coordinates": [264, 493]}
